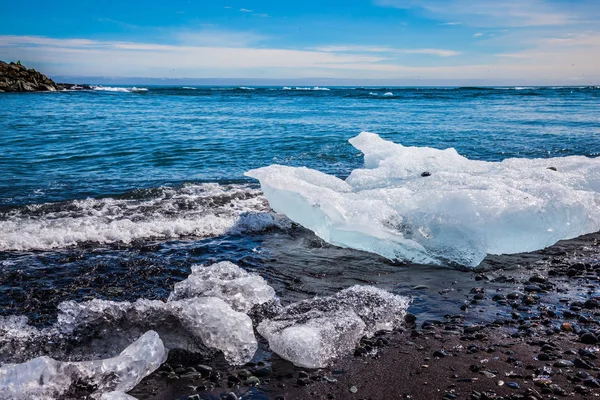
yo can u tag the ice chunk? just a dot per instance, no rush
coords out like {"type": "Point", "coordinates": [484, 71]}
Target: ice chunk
{"type": "Point", "coordinates": [116, 396]}
{"type": "Point", "coordinates": [184, 324]}
{"type": "Point", "coordinates": [196, 318]}
{"type": "Point", "coordinates": [45, 378]}
{"type": "Point", "coordinates": [228, 282]}
{"type": "Point", "coordinates": [311, 333]}
{"type": "Point", "coordinates": [434, 206]}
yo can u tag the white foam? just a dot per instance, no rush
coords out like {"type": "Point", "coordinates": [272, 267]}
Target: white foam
{"type": "Point", "coordinates": [388, 94]}
{"type": "Point", "coordinates": [46, 378]}
{"type": "Point", "coordinates": [463, 211]}
{"type": "Point", "coordinates": [312, 333]}
{"type": "Point", "coordinates": [247, 88]}
{"type": "Point", "coordinates": [118, 89]}
{"type": "Point", "coordinates": [317, 88]}
{"type": "Point", "coordinates": [195, 210]}
{"type": "Point", "coordinates": [189, 88]}
{"type": "Point", "coordinates": [227, 281]}
{"type": "Point", "coordinates": [286, 88]}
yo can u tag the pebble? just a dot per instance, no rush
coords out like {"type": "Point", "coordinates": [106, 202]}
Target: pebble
{"type": "Point", "coordinates": [563, 364]}
{"type": "Point", "coordinates": [588, 338]}
{"type": "Point", "coordinates": [410, 318]}
{"type": "Point", "coordinates": [230, 396]}
{"type": "Point", "coordinates": [513, 385]}
{"type": "Point", "coordinates": [353, 389]}
{"type": "Point", "coordinates": [440, 353]}
{"type": "Point", "coordinates": [252, 381]}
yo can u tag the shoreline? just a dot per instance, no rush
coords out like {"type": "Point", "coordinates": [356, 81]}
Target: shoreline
{"type": "Point", "coordinates": [542, 319]}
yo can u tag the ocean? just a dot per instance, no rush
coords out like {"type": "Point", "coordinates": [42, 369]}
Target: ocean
{"type": "Point", "coordinates": [115, 193]}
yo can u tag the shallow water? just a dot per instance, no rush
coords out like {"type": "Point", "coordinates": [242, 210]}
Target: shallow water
{"type": "Point", "coordinates": [115, 195]}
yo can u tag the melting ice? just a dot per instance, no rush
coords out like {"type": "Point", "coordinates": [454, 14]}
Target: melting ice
{"type": "Point", "coordinates": [46, 378]}
{"type": "Point", "coordinates": [312, 333]}
{"type": "Point", "coordinates": [205, 312]}
{"type": "Point", "coordinates": [426, 205]}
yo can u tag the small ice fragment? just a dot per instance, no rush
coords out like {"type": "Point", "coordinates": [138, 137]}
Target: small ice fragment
{"type": "Point", "coordinates": [225, 280]}
{"type": "Point", "coordinates": [311, 333]}
{"type": "Point", "coordinates": [44, 377]}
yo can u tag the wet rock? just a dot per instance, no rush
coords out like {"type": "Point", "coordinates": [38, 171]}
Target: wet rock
{"type": "Point", "coordinates": [204, 370]}
{"type": "Point", "coordinates": [230, 396]}
{"type": "Point", "coordinates": [588, 338]}
{"type": "Point", "coordinates": [591, 382]}
{"type": "Point", "coordinates": [425, 174]}
{"type": "Point", "coordinates": [581, 363]}
{"type": "Point", "coordinates": [252, 381]}
{"type": "Point", "coordinates": [410, 318]}
{"type": "Point", "coordinates": [14, 77]}
{"type": "Point", "coordinates": [440, 353]}
{"type": "Point", "coordinates": [538, 279]}
{"type": "Point", "coordinates": [563, 364]}
{"type": "Point", "coordinates": [591, 303]}
{"type": "Point", "coordinates": [513, 385]}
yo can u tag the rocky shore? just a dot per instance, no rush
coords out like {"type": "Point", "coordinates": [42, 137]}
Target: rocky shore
{"type": "Point", "coordinates": [521, 332]}
{"type": "Point", "coordinates": [15, 77]}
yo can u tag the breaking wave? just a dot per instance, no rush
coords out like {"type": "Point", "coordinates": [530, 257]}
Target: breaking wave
{"type": "Point", "coordinates": [119, 89]}
{"type": "Point", "coordinates": [203, 210]}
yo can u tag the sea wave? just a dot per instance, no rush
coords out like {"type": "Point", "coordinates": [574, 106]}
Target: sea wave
{"type": "Point", "coordinates": [315, 88]}
{"type": "Point", "coordinates": [119, 89]}
{"type": "Point", "coordinates": [203, 210]}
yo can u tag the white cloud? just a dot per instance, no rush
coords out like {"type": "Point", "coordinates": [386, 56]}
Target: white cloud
{"type": "Point", "coordinates": [388, 50]}
{"type": "Point", "coordinates": [245, 10]}
{"type": "Point", "coordinates": [478, 34]}
{"type": "Point", "coordinates": [451, 23]}
{"type": "Point", "coordinates": [493, 13]}
{"type": "Point", "coordinates": [433, 52]}
{"type": "Point", "coordinates": [555, 60]}
{"type": "Point", "coordinates": [261, 15]}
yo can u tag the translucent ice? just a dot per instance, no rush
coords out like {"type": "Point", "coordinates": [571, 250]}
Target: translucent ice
{"type": "Point", "coordinates": [228, 282]}
{"type": "Point", "coordinates": [198, 317]}
{"type": "Point", "coordinates": [433, 206]}
{"type": "Point", "coordinates": [311, 333]}
{"type": "Point", "coordinates": [183, 324]}
{"type": "Point", "coordinates": [46, 378]}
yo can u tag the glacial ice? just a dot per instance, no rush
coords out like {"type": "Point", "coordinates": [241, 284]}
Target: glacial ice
{"type": "Point", "coordinates": [185, 324]}
{"type": "Point", "coordinates": [226, 281]}
{"type": "Point", "coordinates": [458, 213]}
{"type": "Point", "coordinates": [46, 378]}
{"type": "Point", "coordinates": [198, 317]}
{"type": "Point", "coordinates": [312, 333]}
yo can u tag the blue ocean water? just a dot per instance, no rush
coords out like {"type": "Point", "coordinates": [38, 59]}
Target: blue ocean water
{"type": "Point", "coordinates": [73, 145]}
{"type": "Point", "coordinates": [116, 193]}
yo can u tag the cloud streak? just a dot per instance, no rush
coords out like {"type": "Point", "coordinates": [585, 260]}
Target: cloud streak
{"type": "Point", "coordinates": [389, 50]}
{"type": "Point", "coordinates": [555, 59]}
{"type": "Point", "coordinates": [493, 13]}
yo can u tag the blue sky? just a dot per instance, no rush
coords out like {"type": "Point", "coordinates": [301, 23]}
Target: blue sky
{"type": "Point", "coordinates": [525, 41]}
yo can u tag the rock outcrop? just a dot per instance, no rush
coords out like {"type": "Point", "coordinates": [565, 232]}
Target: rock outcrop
{"type": "Point", "coordinates": [14, 77]}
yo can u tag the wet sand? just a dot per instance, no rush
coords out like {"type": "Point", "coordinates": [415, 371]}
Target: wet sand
{"type": "Point", "coordinates": [518, 327]}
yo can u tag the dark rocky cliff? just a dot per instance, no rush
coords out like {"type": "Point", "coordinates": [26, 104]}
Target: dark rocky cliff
{"type": "Point", "coordinates": [14, 77]}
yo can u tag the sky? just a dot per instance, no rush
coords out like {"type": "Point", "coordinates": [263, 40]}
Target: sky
{"type": "Point", "coordinates": [392, 41]}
